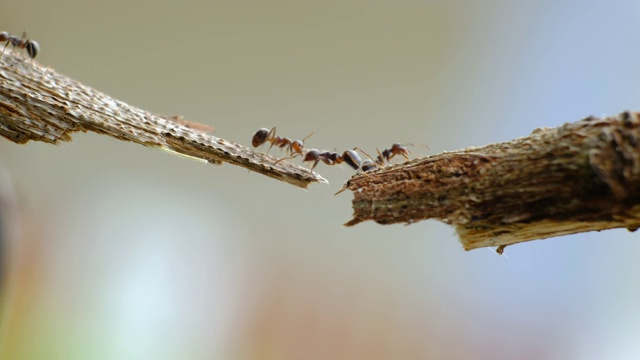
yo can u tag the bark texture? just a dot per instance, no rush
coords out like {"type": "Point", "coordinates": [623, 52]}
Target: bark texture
{"type": "Point", "coordinates": [578, 177]}
{"type": "Point", "coordinates": [39, 104]}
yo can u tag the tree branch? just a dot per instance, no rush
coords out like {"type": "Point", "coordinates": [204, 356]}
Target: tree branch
{"type": "Point", "coordinates": [36, 103]}
{"type": "Point", "coordinates": [578, 177]}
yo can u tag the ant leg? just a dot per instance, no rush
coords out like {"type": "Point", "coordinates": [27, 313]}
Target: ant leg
{"type": "Point", "coordinates": [381, 162]}
{"type": "Point", "coordinates": [285, 158]}
{"type": "Point", "coordinates": [5, 46]}
{"type": "Point", "coordinates": [270, 138]}
{"type": "Point", "coordinates": [404, 155]}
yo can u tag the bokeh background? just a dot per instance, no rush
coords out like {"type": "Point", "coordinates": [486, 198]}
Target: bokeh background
{"type": "Point", "coordinates": [115, 251]}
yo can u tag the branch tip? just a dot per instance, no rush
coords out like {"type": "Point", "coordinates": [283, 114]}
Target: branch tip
{"type": "Point", "coordinates": [578, 177]}
{"type": "Point", "coordinates": [39, 104]}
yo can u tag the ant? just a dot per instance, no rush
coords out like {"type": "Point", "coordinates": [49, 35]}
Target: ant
{"type": "Point", "coordinates": [384, 156]}
{"type": "Point", "coordinates": [388, 154]}
{"type": "Point", "coordinates": [294, 147]}
{"type": "Point", "coordinates": [350, 157]}
{"type": "Point", "coordinates": [31, 46]}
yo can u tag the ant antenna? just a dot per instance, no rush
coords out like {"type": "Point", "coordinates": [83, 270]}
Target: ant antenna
{"type": "Point", "coordinates": [308, 136]}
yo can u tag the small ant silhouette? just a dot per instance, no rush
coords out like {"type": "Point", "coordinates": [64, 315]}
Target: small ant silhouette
{"type": "Point", "coordinates": [31, 46]}
{"type": "Point", "coordinates": [293, 147]}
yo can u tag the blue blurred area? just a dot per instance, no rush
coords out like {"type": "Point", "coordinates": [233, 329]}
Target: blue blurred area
{"type": "Point", "coordinates": [127, 253]}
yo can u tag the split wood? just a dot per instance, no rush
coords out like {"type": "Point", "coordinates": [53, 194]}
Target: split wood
{"type": "Point", "coordinates": [578, 177]}
{"type": "Point", "coordinates": [37, 103]}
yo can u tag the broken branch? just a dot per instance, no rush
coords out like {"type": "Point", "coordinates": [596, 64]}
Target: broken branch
{"type": "Point", "coordinates": [578, 177]}
{"type": "Point", "coordinates": [37, 103]}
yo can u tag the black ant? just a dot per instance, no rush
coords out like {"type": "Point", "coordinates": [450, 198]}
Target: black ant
{"type": "Point", "coordinates": [31, 46]}
{"type": "Point", "coordinates": [294, 147]}
{"type": "Point", "coordinates": [350, 157]}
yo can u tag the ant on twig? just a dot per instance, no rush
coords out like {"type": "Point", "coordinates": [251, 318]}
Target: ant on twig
{"type": "Point", "coordinates": [388, 154]}
{"type": "Point", "coordinates": [31, 46]}
{"type": "Point", "coordinates": [293, 147]}
{"type": "Point", "coordinates": [384, 157]}
{"type": "Point", "coordinates": [352, 158]}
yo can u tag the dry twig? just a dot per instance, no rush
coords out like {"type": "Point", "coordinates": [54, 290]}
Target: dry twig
{"type": "Point", "coordinates": [578, 177]}
{"type": "Point", "coordinates": [36, 103]}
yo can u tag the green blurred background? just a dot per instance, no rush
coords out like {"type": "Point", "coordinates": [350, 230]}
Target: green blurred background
{"type": "Point", "coordinates": [116, 251]}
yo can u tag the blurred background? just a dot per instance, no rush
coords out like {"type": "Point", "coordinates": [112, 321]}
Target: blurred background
{"type": "Point", "coordinates": [114, 251]}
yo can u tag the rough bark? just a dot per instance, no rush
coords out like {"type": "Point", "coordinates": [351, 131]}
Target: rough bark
{"type": "Point", "coordinates": [39, 104]}
{"type": "Point", "coordinates": [578, 177]}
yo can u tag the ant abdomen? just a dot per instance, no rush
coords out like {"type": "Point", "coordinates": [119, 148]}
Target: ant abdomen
{"type": "Point", "coordinates": [260, 137]}
{"type": "Point", "coordinates": [293, 147]}
{"type": "Point", "coordinates": [352, 159]}
{"type": "Point", "coordinates": [311, 155]}
{"type": "Point", "coordinates": [32, 47]}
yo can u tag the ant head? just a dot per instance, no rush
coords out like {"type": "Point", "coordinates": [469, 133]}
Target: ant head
{"type": "Point", "coordinates": [32, 48]}
{"type": "Point", "coordinates": [4, 36]}
{"type": "Point", "coordinates": [260, 137]}
{"type": "Point", "coordinates": [297, 146]}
